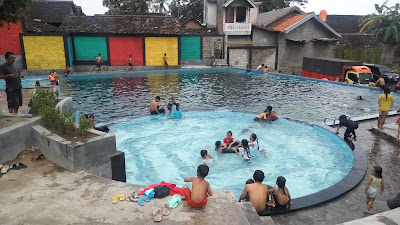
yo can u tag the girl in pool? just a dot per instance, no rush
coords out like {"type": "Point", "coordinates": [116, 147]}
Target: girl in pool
{"type": "Point", "coordinates": [254, 143]}
{"type": "Point", "coordinates": [229, 141]}
{"type": "Point", "coordinates": [371, 190]}
{"type": "Point", "coordinates": [243, 149]}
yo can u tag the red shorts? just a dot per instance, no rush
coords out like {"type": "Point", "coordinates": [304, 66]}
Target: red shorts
{"type": "Point", "coordinates": [188, 196]}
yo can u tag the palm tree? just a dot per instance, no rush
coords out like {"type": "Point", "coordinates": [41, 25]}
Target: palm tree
{"type": "Point", "coordinates": [385, 24]}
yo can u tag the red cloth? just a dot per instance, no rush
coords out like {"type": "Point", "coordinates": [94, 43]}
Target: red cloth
{"type": "Point", "coordinates": [226, 140]}
{"type": "Point", "coordinates": [272, 115]}
{"type": "Point", "coordinates": [173, 189]}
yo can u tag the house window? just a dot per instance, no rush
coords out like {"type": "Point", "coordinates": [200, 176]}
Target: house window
{"type": "Point", "coordinates": [240, 14]}
{"type": "Point", "coordinates": [230, 15]}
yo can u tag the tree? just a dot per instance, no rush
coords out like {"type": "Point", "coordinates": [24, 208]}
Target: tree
{"type": "Point", "coordinates": [126, 6]}
{"type": "Point", "coordinates": [269, 5]}
{"type": "Point", "coordinates": [10, 10]}
{"type": "Point", "coordinates": [385, 24]}
{"type": "Point", "coordinates": [187, 9]}
{"type": "Point", "coordinates": [159, 6]}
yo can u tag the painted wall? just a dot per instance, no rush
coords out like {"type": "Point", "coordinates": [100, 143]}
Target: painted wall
{"type": "Point", "coordinates": [70, 51]}
{"type": "Point", "coordinates": [44, 52]}
{"type": "Point", "coordinates": [122, 47]}
{"type": "Point", "coordinates": [190, 48]}
{"type": "Point", "coordinates": [9, 36]}
{"type": "Point", "coordinates": [88, 48]}
{"type": "Point", "coordinates": [155, 48]}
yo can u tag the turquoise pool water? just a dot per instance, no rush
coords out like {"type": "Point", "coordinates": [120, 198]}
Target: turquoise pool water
{"type": "Point", "coordinates": [116, 96]}
{"type": "Point", "coordinates": [161, 148]}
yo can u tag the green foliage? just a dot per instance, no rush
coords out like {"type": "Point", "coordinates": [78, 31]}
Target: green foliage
{"type": "Point", "coordinates": [269, 5]}
{"type": "Point", "coordinates": [126, 6]}
{"type": "Point", "coordinates": [10, 10]}
{"type": "Point", "coordinates": [385, 24]}
{"type": "Point", "coordinates": [54, 118]}
{"type": "Point", "coordinates": [84, 125]}
{"type": "Point", "coordinates": [41, 100]}
{"type": "Point", "coordinates": [187, 9]}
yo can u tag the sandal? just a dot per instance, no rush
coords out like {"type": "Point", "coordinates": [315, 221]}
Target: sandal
{"type": "Point", "coordinates": [157, 215]}
{"type": "Point", "coordinates": [5, 169]}
{"type": "Point", "coordinates": [121, 197]}
{"type": "Point", "coordinates": [131, 199]}
{"type": "Point", "coordinates": [135, 195]}
{"type": "Point", "coordinates": [115, 199]}
{"type": "Point", "coordinates": [140, 202]}
{"type": "Point", "coordinates": [166, 210]}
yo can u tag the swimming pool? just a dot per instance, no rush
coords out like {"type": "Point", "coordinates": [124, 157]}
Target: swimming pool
{"type": "Point", "coordinates": [118, 96]}
{"type": "Point", "coordinates": [161, 148]}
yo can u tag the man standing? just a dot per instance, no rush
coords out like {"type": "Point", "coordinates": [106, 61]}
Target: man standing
{"type": "Point", "coordinates": [99, 64]}
{"type": "Point", "coordinates": [12, 76]}
{"type": "Point", "coordinates": [165, 62]}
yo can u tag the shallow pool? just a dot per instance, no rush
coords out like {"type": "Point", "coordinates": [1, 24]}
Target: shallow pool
{"type": "Point", "coordinates": [161, 148]}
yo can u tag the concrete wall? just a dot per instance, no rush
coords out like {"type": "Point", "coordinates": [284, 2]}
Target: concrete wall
{"type": "Point", "coordinates": [89, 48]}
{"type": "Point", "coordinates": [310, 29]}
{"type": "Point", "coordinates": [211, 15]}
{"type": "Point", "coordinates": [378, 55]}
{"type": "Point", "coordinates": [263, 56]}
{"type": "Point", "coordinates": [93, 156]}
{"type": "Point", "coordinates": [65, 105]}
{"type": "Point", "coordinates": [290, 56]}
{"type": "Point", "coordinates": [239, 57]}
{"type": "Point", "coordinates": [18, 138]}
{"type": "Point", "coordinates": [70, 51]}
{"type": "Point", "coordinates": [122, 47]}
{"type": "Point", "coordinates": [44, 52]}
{"type": "Point", "coordinates": [264, 38]}
{"type": "Point", "coordinates": [190, 48]}
{"type": "Point", "coordinates": [155, 48]}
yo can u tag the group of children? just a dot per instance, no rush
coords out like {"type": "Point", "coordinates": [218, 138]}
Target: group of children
{"type": "Point", "coordinates": [156, 109]}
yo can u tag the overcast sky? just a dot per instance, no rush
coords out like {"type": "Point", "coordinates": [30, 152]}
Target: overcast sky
{"type": "Point", "coordinates": [338, 7]}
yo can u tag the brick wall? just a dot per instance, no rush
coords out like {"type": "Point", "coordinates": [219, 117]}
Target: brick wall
{"type": "Point", "coordinates": [208, 47]}
{"type": "Point", "coordinates": [190, 48]}
{"type": "Point", "coordinates": [239, 57]}
{"type": "Point", "coordinates": [155, 48]}
{"type": "Point", "coordinates": [89, 48]}
{"type": "Point", "coordinates": [44, 52]}
{"type": "Point", "coordinates": [9, 38]}
{"type": "Point", "coordinates": [122, 47]}
{"type": "Point", "coordinates": [263, 56]}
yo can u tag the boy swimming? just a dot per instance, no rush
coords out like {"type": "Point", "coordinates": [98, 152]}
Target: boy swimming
{"type": "Point", "coordinates": [206, 158]}
{"type": "Point", "coordinates": [197, 198]}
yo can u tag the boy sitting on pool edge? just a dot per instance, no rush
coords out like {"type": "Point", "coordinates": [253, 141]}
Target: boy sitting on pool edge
{"type": "Point", "coordinates": [197, 198]}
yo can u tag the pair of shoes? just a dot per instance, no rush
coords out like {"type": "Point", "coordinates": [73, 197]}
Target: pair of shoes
{"type": "Point", "coordinates": [158, 213]}
{"type": "Point", "coordinates": [141, 200]}
{"type": "Point", "coordinates": [5, 169]}
{"type": "Point", "coordinates": [120, 197]}
{"type": "Point", "coordinates": [37, 157]}
{"type": "Point", "coordinates": [133, 198]}
{"type": "Point", "coordinates": [18, 166]}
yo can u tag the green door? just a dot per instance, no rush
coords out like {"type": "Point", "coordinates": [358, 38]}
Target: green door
{"type": "Point", "coordinates": [190, 48]}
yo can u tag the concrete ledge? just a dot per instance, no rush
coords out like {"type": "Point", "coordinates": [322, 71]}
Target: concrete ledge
{"type": "Point", "coordinates": [389, 132]}
{"type": "Point", "coordinates": [93, 157]}
{"type": "Point", "coordinates": [15, 138]}
{"type": "Point", "coordinates": [388, 217]}
{"type": "Point", "coordinates": [65, 105]}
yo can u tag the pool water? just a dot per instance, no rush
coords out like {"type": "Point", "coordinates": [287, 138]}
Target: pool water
{"type": "Point", "coordinates": [161, 148]}
{"type": "Point", "coordinates": [118, 96]}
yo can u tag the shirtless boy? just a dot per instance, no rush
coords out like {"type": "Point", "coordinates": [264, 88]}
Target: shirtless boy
{"type": "Point", "coordinates": [257, 192]}
{"type": "Point", "coordinates": [197, 198]}
{"type": "Point", "coordinates": [99, 64]}
{"type": "Point", "coordinates": [165, 58]}
{"type": "Point", "coordinates": [155, 108]}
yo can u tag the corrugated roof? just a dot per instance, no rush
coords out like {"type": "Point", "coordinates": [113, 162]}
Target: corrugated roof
{"type": "Point", "coordinates": [284, 23]}
{"type": "Point", "coordinates": [265, 19]}
{"type": "Point", "coordinates": [39, 27]}
{"type": "Point", "coordinates": [52, 11]}
{"type": "Point", "coordinates": [128, 24]}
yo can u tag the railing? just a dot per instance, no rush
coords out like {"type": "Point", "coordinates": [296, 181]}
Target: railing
{"type": "Point", "coordinates": [237, 28]}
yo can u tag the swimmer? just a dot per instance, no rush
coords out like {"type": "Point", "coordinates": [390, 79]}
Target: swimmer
{"type": "Point", "coordinates": [172, 102]}
{"type": "Point", "coordinates": [219, 146]}
{"type": "Point", "coordinates": [37, 84]}
{"type": "Point", "coordinates": [206, 158]}
{"type": "Point", "coordinates": [267, 115]}
{"type": "Point", "coordinates": [246, 130]}
{"type": "Point", "coordinates": [254, 143]}
{"type": "Point", "coordinates": [243, 149]}
{"type": "Point", "coordinates": [357, 108]}
{"type": "Point", "coordinates": [228, 141]}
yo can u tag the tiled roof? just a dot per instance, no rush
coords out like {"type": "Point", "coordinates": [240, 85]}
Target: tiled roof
{"type": "Point", "coordinates": [286, 22]}
{"type": "Point", "coordinates": [39, 27]}
{"type": "Point", "coordinates": [132, 24]}
{"type": "Point", "coordinates": [265, 19]}
{"type": "Point", "coordinates": [52, 11]}
{"type": "Point", "coordinates": [344, 24]}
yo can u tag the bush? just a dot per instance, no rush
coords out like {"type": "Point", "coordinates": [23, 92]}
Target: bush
{"type": "Point", "coordinates": [54, 118]}
{"type": "Point", "coordinates": [84, 125]}
{"type": "Point", "coordinates": [41, 100]}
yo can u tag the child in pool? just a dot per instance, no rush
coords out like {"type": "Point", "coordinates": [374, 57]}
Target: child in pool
{"type": "Point", "coordinates": [254, 143]}
{"type": "Point", "coordinates": [243, 149]}
{"type": "Point", "coordinates": [229, 142]}
{"type": "Point", "coordinates": [280, 195]}
{"type": "Point", "coordinates": [371, 190]}
{"type": "Point", "coordinates": [178, 111]}
{"type": "Point", "coordinates": [206, 158]}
